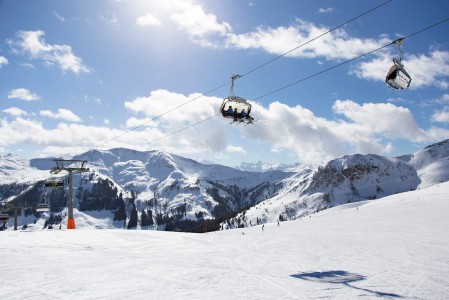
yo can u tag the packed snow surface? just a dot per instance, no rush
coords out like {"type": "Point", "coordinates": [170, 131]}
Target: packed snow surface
{"type": "Point", "coordinates": [394, 247]}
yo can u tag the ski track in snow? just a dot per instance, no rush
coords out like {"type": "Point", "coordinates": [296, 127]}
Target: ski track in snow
{"type": "Point", "coordinates": [395, 247]}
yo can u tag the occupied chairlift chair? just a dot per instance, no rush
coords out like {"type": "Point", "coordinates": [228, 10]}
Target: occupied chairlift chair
{"type": "Point", "coordinates": [237, 104]}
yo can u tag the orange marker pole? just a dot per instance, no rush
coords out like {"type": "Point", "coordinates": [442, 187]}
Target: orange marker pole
{"type": "Point", "coordinates": [71, 223]}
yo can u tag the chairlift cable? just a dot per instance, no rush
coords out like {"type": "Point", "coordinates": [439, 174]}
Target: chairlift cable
{"type": "Point", "coordinates": [244, 74]}
{"type": "Point", "coordinates": [315, 38]}
{"type": "Point", "coordinates": [304, 79]}
{"type": "Point", "coordinates": [182, 129]}
{"type": "Point", "coordinates": [350, 60]}
{"type": "Point", "coordinates": [320, 72]}
{"type": "Point", "coordinates": [161, 115]}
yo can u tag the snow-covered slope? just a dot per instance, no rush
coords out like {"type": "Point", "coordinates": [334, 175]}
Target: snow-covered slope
{"type": "Point", "coordinates": [431, 163]}
{"type": "Point", "coordinates": [394, 247]}
{"type": "Point", "coordinates": [15, 169]}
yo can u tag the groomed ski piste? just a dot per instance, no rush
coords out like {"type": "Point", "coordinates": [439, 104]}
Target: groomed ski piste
{"type": "Point", "coordinates": [394, 247]}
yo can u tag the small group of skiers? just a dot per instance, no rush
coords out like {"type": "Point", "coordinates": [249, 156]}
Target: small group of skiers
{"type": "Point", "coordinates": [238, 116]}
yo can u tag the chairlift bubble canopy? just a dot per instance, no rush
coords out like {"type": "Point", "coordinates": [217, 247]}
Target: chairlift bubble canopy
{"type": "Point", "coordinates": [234, 102]}
{"type": "Point", "coordinates": [233, 106]}
{"type": "Point", "coordinates": [398, 77]}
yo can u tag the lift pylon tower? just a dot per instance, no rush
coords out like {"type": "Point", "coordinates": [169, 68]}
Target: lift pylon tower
{"type": "Point", "coordinates": [70, 166]}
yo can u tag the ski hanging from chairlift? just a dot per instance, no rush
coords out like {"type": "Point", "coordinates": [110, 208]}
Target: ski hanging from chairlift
{"type": "Point", "coordinates": [397, 77]}
{"type": "Point", "coordinates": [236, 108]}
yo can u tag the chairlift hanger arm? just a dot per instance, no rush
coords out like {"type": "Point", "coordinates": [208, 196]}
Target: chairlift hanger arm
{"type": "Point", "coordinates": [55, 170]}
{"type": "Point", "coordinates": [398, 44]}
{"type": "Point", "coordinates": [233, 78]}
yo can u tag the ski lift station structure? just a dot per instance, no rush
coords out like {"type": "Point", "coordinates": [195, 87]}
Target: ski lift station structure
{"type": "Point", "coordinates": [70, 166]}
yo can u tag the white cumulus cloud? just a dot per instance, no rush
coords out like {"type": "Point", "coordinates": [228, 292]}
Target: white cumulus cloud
{"type": "Point", "coordinates": [22, 94]}
{"type": "Point", "coordinates": [193, 19]}
{"type": "Point", "coordinates": [441, 116]}
{"type": "Point", "coordinates": [325, 10]}
{"type": "Point", "coordinates": [381, 118]}
{"type": "Point", "coordinates": [235, 149]}
{"type": "Point", "coordinates": [337, 44]}
{"type": "Point", "coordinates": [148, 20]}
{"type": "Point", "coordinates": [15, 112]}
{"type": "Point", "coordinates": [430, 69]}
{"type": "Point", "coordinates": [33, 44]}
{"type": "Point", "coordinates": [355, 128]}
{"type": "Point", "coordinates": [61, 114]}
{"type": "Point", "coordinates": [3, 61]}
{"type": "Point", "coordinates": [358, 128]}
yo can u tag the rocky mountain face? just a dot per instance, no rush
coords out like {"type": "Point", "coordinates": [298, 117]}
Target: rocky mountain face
{"type": "Point", "coordinates": [147, 189]}
{"type": "Point", "coordinates": [142, 189]}
{"type": "Point", "coordinates": [347, 179]}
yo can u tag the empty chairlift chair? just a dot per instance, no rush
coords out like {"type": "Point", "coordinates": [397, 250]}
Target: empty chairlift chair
{"type": "Point", "coordinates": [397, 77]}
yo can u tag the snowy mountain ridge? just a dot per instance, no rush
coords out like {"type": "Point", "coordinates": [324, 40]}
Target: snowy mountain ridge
{"type": "Point", "coordinates": [140, 189]}
{"type": "Point", "coordinates": [431, 163]}
{"type": "Point", "coordinates": [350, 178]}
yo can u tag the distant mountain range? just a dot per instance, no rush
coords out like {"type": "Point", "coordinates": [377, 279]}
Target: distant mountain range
{"type": "Point", "coordinates": [146, 189]}
{"type": "Point", "coordinates": [263, 167]}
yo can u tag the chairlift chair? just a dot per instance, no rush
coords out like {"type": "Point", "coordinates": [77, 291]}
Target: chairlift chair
{"type": "Point", "coordinates": [4, 217]}
{"type": "Point", "coordinates": [232, 106]}
{"type": "Point", "coordinates": [42, 207]}
{"type": "Point", "coordinates": [397, 77]}
{"type": "Point", "coordinates": [54, 182]}
{"type": "Point", "coordinates": [234, 102]}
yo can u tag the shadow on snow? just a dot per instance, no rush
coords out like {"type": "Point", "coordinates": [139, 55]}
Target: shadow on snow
{"type": "Point", "coordinates": [340, 277]}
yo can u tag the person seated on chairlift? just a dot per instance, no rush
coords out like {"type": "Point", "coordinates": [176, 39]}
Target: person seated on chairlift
{"type": "Point", "coordinates": [230, 111]}
{"type": "Point", "coordinates": [236, 114]}
{"type": "Point", "coordinates": [244, 115]}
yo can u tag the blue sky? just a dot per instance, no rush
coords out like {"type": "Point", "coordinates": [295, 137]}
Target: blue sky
{"type": "Point", "coordinates": [76, 75]}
